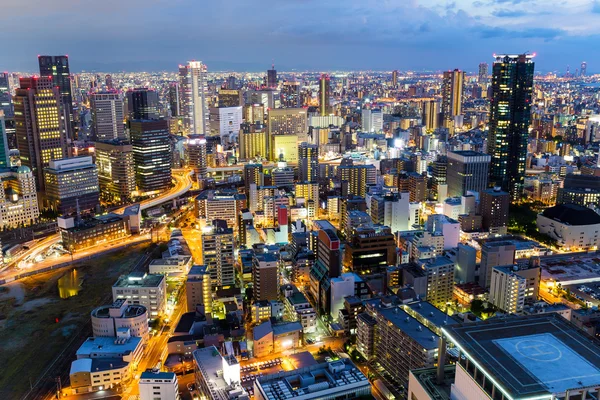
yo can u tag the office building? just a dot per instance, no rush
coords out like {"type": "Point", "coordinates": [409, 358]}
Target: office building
{"type": "Point", "coordinates": [308, 162]}
{"type": "Point", "coordinates": [198, 101]}
{"type": "Point", "coordinates": [440, 280]}
{"type": "Point", "coordinates": [107, 116]}
{"type": "Point", "coordinates": [524, 358]}
{"type": "Point", "coordinates": [510, 114]}
{"type": "Point", "coordinates": [142, 104]}
{"type": "Point", "coordinates": [417, 187]}
{"type": "Point", "coordinates": [18, 198]}
{"type": "Point", "coordinates": [5, 95]}
{"type": "Point", "coordinates": [272, 77]}
{"type": "Point", "coordinates": [157, 385]}
{"type": "Point", "coordinates": [217, 376]}
{"type": "Point", "coordinates": [40, 129]}
{"type": "Point", "coordinates": [151, 155]}
{"type": "Point", "coordinates": [72, 185]}
{"type": "Point", "coordinates": [324, 95]}
{"type": "Point", "coordinates": [269, 98]}
{"type": "Point", "coordinates": [196, 154]}
{"type": "Point", "coordinates": [221, 204]}
{"type": "Point", "coordinates": [116, 171]}
{"type": "Point", "coordinates": [372, 120]}
{"type": "Point", "coordinates": [370, 249]}
{"type": "Point", "coordinates": [174, 99]}
{"type": "Point", "coordinates": [358, 178]}
{"type": "Point", "coordinates": [253, 174]}
{"type": "Point", "coordinates": [288, 121]}
{"type": "Point", "coordinates": [494, 253]}
{"type": "Point", "coordinates": [574, 227]}
{"type": "Point", "coordinates": [198, 289]}
{"type": "Point", "coordinates": [254, 113]}
{"type": "Point", "coordinates": [265, 277]}
{"type": "Point", "coordinates": [513, 286]}
{"type": "Point", "coordinates": [394, 79]}
{"type": "Point", "coordinates": [431, 114]}
{"type": "Point", "coordinates": [482, 77]}
{"type": "Point", "coordinates": [467, 171]}
{"type": "Point", "coordinates": [145, 289]}
{"type": "Point", "coordinates": [5, 161]}
{"type": "Point", "coordinates": [328, 265]}
{"type": "Point", "coordinates": [108, 320]}
{"type": "Point", "coordinates": [452, 96]}
{"type": "Point", "coordinates": [230, 98]}
{"type": "Point", "coordinates": [225, 122]}
{"type": "Point", "coordinates": [253, 141]}
{"type": "Point", "coordinates": [217, 253]}
{"type": "Point", "coordinates": [439, 175]}
{"type": "Point", "coordinates": [57, 68]}
{"type": "Point", "coordinates": [339, 379]}
{"type": "Point", "coordinates": [93, 231]}
{"type": "Point", "coordinates": [391, 210]}
{"type": "Point", "coordinates": [290, 95]}
{"type": "Point", "coordinates": [494, 210]}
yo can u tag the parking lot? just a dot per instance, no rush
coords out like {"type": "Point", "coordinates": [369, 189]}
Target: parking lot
{"type": "Point", "coordinates": [250, 372]}
{"type": "Point", "coordinates": [588, 292]}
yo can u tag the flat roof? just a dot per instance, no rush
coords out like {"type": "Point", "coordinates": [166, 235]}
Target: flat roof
{"type": "Point", "coordinates": [536, 355]}
{"type": "Point", "coordinates": [157, 375]}
{"type": "Point", "coordinates": [148, 280]}
{"type": "Point", "coordinates": [431, 313]}
{"type": "Point", "coordinates": [108, 345]}
{"type": "Point", "coordinates": [411, 327]}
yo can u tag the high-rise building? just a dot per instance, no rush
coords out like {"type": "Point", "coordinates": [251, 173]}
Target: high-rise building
{"type": "Point", "coordinates": [482, 77]}
{"type": "Point", "coordinates": [107, 116]}
{"type": "Point", "coordinates": [372, 120]}
{"type": "Point", "coordinates": [57, 68]}
{"type": "Point", "coordinates": [253, 141]}
{"type": "Point", "coordinates": [286, 122]}
{"type": "Point", "coordinates": [514, 286]}
{"type": "Point", "coordinates": [265, 276]}
{"type": "Point", "coordinates": [254, 113]}
{"type": "Point", "coordinates": [452, 96]}
{"type": "Point", "coordinates": [467, 171]}
{"type": "Point", "coordinates": [431, 114]}
{"type": "Point", "coordinates": [583, 69]}
{"type": "Point", "coordinates": [253, 174]}
{"type": "Point", "coordinates": [198, 289]}
{"type": "Point", "coordinates": [290, 95]}
{"type": "Point", "coordinates": [494, 210]}
{"type": "Point", "coordinates": [358, 177]}
{"type": "Point", "coordinates": [494, 253]}
{"type": "Point", "coordinates": [198, 101]}
{"type": "Point", "coordinates": [40, 128]}
{"type": "Point", "coordinates": [72, 185]}
{"type": "Point", "coordinates": [5, 95]}
{"type": "Point", "coordinates": [142, 104]}
{"type": "Point", "coordinates": [231, 82]}
{"type": "Point", "coordinates": [225, 121]}
{"type": "Point", "coordinates": [196, 154]}
{"type": "Point", "coordinates": [510, 114]}
{"type": "Point", "coordinates": [217, 253]}
{"type": "Point", "coordinates": [308, 162]}
{"type": "Point", "coordinates": [417, 187]}
{"type": "Point", "coordinates": [155, 385]}
{"type": "Point", "coordinates": [395, 79]}
{"type": "Point", "coordinates": [18, 198]}
{"type": "Point", "coordinates": [108, 82]}
{"type": "Point", "coordinates": [230, 98]}
{"type": "Point", "coordinates": [151, 154]}
{"type": "Point", "coordinates": [116, 171]}
{"type": "Point", "coordinates": [272, 77]}
{"type": "Point", "coordinates": [324, 94]}
{"type": "Point", "coordinates": [4, 148]}
{"type": "Point", "coordinates": [174, 103]}
{"type": "Point", "coordinates": [185, 97]}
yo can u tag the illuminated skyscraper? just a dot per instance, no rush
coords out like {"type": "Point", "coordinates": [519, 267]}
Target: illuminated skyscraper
{"type": "Point", "coordinates": [5, 96]}
{"type": "Point", "coordinates": [107, 116]}
{"type": "Point", "coordinates": [452, 95]}
{"type": "Point", "coordinates": [431, 114]}
{"type": "Point", "coordinates": [142, 103]}
{"type": "Point", "coordinates": [217, 253]}
{"type": "Point", "coordinates": [230, 98]}
{"type": "Point", "coordinates": [194, 105]}
{"type": "Point", "coordinates": [40, 128]}
{"type": "Point", "coordinates": [510, 113]}
{"type": "Point", "coordinates": [482, 78]}
{"type": "Point", "coordinates": [272, 77]}
{"type": "Point", "coordinates": [151, 154]}
{"type": "Point", "coordinates": [324, 93]}
{"type": "Point", "coordinates": [287, 122]}
{"type": "Point", "coordinates": [308, 162]}
{"type": "Point", "coordinates": [174, 104]}
{"type": "Point", "coordinates": [583, 68]}
{"type": "Point", "coordinates": [57, 67]}
{"type": "Point", "coordinates": [196, 153]}
{"type": "Point", "coordinates": [394, 78]}
{"type": "Point", "coordinates": [290, 95]}
{"type": "Point", "coordinates": [116, 174]}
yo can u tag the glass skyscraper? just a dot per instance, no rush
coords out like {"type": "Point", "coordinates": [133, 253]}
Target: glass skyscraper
{"type": "Point", "coordinates": [57, 68]}
{"type": "Point", "coordinates": [510, 114]}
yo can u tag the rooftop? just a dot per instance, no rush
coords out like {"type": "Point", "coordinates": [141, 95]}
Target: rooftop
{"type": "Point", "coordinates": [430, 313]}
{"type": "Point", "coordinates": [157, 375]}
{"type": "Point", "coordinates": [536, 355]}
{"type": "Point", "coordinates": [136, 280]}
{"type": "Point", "coordinates": [427, 377]}
{"type": "Point", "coordinates": [108, 345]}
{"type": "Point", "coordinates": [572, 214]}
{"type": "Point", "coordinates": [411, 327]}
{"type": "Point", "coordinates": [210, 365]}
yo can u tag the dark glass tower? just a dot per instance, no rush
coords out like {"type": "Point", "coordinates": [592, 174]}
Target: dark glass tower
{"type": "Point", "coordinates": [324, 89]}
{"type": "Point", "coordinates": [272, 77]}
{"type": "Point", "coordinates": [142, 103]}
{"type": "Point", "coordinates": [510, 114]}
{"type": "Point", "coordinates": [57, 67]}
{"type": "Point", "coordinates": [5, 97]}
{"type": "Point", "coordinates": [151, 154]}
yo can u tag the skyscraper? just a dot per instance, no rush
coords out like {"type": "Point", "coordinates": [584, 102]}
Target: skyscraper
{"type": "Point", "coordinates": [395, 78]}
{"type": "Point", "coordinates": [4, 150]}
{"type": "Point", "coordinates": [5, 96]}
{"type": "Point", "coordinates": [40, 128]}
{"type": "Point", "coordinates": [452, 96]}
{"type": "Point", "coordinates": [174, 105]}
{"type": "Point", "coordinates": [510, 113]}
{"type": "Point", "coordinates": [193, 89]}
{"type": "Point", "coordinates": [324, 93]}
{"type": "Point", "coordinates": [467, 171]}
{"type": "Point", "coordinates": [217, 253]}
{"type": "Point", "coordinates": [57, 67]}
{"type": "Point", "coordinates": [372, 120]}
{"type": "Point", "coordinates": [290, 95]}
{"type": "Point", "coordinates": [107, 116]}
{"type": "Point", "coordinates": [142, 103]}
{"type": "Point", "coordinates": [308, 162]}
{"type": "Point", "coordinates": [482, 78]}
{"type": "Point", "coordinates": [196, 153]}
{"type": "Point", "coordinates": [494, 210]}
{"type": "Point", "coordinates": [108, 81]}
{"type": "Point", "coordinates": [116, 173]}
{"type": "Point", "coordinates": [431, 114]}
{"type": "Point", "coordinates": [272, 77]}
{"type": "Point", "coordinates": [583, 68]}
{"type": "Point", "coordinates": [151, 154]}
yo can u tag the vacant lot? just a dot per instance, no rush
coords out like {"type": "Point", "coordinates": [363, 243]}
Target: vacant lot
{"type": "Point", "coordinates": [36, 324]}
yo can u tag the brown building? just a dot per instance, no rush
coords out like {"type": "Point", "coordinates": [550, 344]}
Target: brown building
{"type": "Point", "coordinates": [494, 210]}
{"type": "Point", "coordinates": [265, 275]}
{"type": "Point", "coordinates": [417, 186]}
{"type": "Point", "coordinates": [370, 250]}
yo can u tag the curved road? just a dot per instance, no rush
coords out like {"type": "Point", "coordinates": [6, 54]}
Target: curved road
{"type": "Point", "coordinates": [183, 183]}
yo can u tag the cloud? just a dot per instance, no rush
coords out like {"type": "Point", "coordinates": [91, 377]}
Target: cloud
{"type": "Point", "coordinates": [531, 33]}
{"type": "Point", "coordinates": [505, 13]}
{"type": "Point", "coordinates": [596, 7]}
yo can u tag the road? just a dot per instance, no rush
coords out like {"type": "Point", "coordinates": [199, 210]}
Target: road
{"type": "Point", "coordinates": [183, 183]}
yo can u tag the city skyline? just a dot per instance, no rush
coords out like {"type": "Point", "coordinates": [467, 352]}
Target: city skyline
{"type": "Point", "coordinates": [426, 35]}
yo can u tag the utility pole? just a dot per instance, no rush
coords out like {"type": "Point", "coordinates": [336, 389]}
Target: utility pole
{"type": "Point", "coordinates": [58, 387]}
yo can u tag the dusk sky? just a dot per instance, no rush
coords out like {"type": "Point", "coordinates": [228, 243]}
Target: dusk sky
{"type": "Point", "coordinates": [245, 35]}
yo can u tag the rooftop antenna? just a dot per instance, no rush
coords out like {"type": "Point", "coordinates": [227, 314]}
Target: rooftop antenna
{"type": "Point", "coordinates": [272, 63]}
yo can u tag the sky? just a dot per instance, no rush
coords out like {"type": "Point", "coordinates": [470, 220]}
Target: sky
{"type": "Point", "coordinates": [247, 35]}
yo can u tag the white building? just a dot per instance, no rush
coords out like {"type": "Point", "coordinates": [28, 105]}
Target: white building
{"type": "Point", "coordinates": [372, 120]}
{"type": "Point", "coordinates": [225, 122]}
{"type": "Point", "coordinates": [342, 287]}
{"type": "Point", "coordinates": [147, 290]}
{"type": "Point", "coordinates": [217, 376]}
{"type": "Point", "coordinates": [439, 224]}
{"type": "Point", "coordinates": [172, 266]}
{"type": "Point", "coordinates": [18, 198]}
{"type": "Point", "coordinates": [573, 227]}
{"type": "Point", "coordinates": [197, 101]}
{"type": "Point", "coordinates": [107, 320]}
{"type": "Point", "coordinates": [158, 386]}
{"type": "Point", "coordinates": [512, 286]}
{"type": "Point", "coordinates": [107, 116]}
